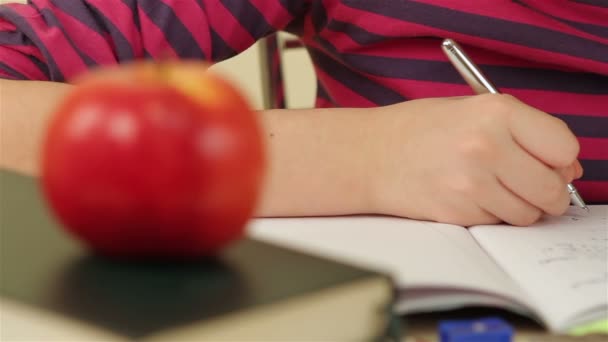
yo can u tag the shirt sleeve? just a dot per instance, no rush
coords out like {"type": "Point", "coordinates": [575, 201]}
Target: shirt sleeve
{"type": "Point", "coordinates": [55, 40]}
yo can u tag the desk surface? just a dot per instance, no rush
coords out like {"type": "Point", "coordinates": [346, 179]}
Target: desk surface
{"type": "Point", "coordinates": [423, 327]}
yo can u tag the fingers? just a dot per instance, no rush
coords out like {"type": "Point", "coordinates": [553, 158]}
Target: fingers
{"type": "Point", "coordinates": [492, 159]}
{"type": "Point", "coordinates": [464, 213]}
{"type": "Point", "coordinates": [542, 160]}
{"type": "Point", "coordinates": [535, 182]}
{"type": "Point", "coordinates": [545, 137]}
{"type": "Point", "coordinates": [505, 205]}
{"type": "Point", "coordinates": [484, 200]}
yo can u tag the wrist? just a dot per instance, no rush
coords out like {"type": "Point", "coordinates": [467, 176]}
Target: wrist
{"type": "Point", "coordinates": [375, 155]}
{"type": "Point", "coordinates": [389, 125]}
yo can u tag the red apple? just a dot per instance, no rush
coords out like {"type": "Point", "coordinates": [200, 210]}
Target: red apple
{"type": "Point", "coordinates": [152, 160]}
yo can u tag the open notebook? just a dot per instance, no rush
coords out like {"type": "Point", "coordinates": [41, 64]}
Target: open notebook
{"type": "Point", "coordinates": [555, 271]}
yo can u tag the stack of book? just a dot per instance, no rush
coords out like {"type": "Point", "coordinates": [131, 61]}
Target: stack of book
{"type": "Point", "coordinates": [52, 288]}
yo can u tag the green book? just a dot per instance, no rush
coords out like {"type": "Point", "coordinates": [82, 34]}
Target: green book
{"type": "Point", "coordinates": [52, 288]}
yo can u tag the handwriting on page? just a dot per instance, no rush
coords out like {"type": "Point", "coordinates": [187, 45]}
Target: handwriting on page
{"type": "Point", "coordinates": [589, 246]}
{"type": "Point", "coordinates": [561, 262]}
{"type": "Point", "coordinates": [599, 279]}
{"type": "Point", "coordinates": [565, 251]}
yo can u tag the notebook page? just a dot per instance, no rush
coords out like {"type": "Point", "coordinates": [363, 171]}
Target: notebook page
{"type": "Point", "coordinates": [417, 254]}
{"type": "Point", "coordinates": [561, 262]}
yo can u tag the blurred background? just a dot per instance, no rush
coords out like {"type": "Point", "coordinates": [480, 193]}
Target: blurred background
{"type": "Point", "coordinates": [245, 71]}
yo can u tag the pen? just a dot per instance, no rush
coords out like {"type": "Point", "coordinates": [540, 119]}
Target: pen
{"type": "Point", "coordinates": [480, 84]}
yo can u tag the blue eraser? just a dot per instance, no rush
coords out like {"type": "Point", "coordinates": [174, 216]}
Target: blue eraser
{"type": "Point", "coordinates": [491, 329]}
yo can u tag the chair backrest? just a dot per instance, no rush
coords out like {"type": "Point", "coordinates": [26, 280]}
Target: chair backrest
{"type": "Point", "coordinates": [271, 54]}
{"type": "Point", "coordinates": [273, 91]}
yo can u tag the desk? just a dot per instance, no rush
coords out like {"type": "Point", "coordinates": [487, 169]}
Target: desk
{"type": "Point", "coordinates": [423, 327]}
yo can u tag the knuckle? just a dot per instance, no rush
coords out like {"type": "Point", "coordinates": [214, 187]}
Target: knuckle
{"type": "Point", "coordinates": [572, 150]}
{"type": "Point", "coordinates": [478, 147]}
{"type": "Point", "coordinates": [561, 124]}
{"type": "Point", "coordinates": [570, 146]}
{"type": "Point", "coordinates": [499, 105]}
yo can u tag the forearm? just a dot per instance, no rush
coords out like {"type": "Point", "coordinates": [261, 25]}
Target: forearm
{"type": "Point", "coordinates": [316, 158]}
{"type": "Point", "coordinates": [319, 162]}
{"type": "Point", "coordinates": [25, 107]}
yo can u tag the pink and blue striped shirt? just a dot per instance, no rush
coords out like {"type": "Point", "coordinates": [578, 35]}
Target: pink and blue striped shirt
{"type": "Point", "coordinates": [551, 54]}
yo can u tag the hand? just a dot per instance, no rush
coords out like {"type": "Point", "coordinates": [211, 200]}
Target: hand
{"type": "Point", "coordinates": [472, 160]}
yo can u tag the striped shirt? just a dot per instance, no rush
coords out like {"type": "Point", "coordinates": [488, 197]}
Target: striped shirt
{"type": "Point", "coordinates": [551, 54]}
